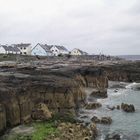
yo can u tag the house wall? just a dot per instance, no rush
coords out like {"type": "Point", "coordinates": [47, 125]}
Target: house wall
{"type": "Point", "coordinates": [75, 52]}
{"type": "Point", "coordinates": [2, 50]}
{"type": "Point", "coordinates": [25, 50]}
{"type": "Point", "coordinates": [56, 51]}
{"type": "Point", "coordinates": [38, 50]}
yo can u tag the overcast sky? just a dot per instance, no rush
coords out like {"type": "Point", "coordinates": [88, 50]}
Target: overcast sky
{"type": "Point", "coordinates": [96, 26]}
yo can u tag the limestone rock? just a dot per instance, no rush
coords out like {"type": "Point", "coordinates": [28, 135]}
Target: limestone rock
{"type": "Point", "coordinates": [127, 108]}
{"type": "Point", "coordinates": [106, 120]}
{"type": "Point", "coordinates": [102, 120]}
{"type": "Point", "coordinates": [2, 118]}
{"type": "Point", "coordinates": [41, 112]}
{"type": "Point", "coordinates": [95, 119]}
{"type": "Point", "coordinates": [93, 105]}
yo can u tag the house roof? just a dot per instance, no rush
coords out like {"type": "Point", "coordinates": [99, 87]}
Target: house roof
{"type": "Point", "coordinates": [60, 47]}
{"type": "Point", "coordinates": [10, 48]}
{"type": "Point", "coordinates": [22, 45]}
{"type": "Point", "coordinates": [16, 49]}
{"type": "Point", "coordinates": [45, 47]}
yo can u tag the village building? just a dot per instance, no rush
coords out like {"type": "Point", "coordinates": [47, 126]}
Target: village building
{"type": "Point", "coordinates": [78, 52]}
{"type": "Point", "coordinates": [57, 50]}
{"type": "Point", "coordinates": [42, 50]}
{"type": "Point", "coordinates": [6, 49]}
{"type": "Point", "coordinates": [25, 48]}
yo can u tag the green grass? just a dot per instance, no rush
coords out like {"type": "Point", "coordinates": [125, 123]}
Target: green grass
{"type": "Point", "coordinates": [7, 57]}
{"type": "Point", "coordinates": [43, 130]}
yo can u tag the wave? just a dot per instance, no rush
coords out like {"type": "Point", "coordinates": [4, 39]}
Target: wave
{"type": "Point", "coordinates": [135, 86]}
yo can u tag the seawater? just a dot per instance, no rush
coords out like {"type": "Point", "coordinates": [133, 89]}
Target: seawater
{"type": "Point", "coordinates": [125, 124]}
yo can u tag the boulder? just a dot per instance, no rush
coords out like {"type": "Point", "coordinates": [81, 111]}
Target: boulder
{"type": "Point", "coordinates": [106, 120]}
{"type": "Point", "coordinates": [118, 107]}
{"type": "Point", "coordinates": [113, 136]}
{"type": "Point", "coordinates": [93, 105]}
{"type": "Point", "coordinates": [95, 119]}
{"type": "Point", "coordinates": [111, 107]}
{"type": "Point", "coordinates": [103, 120]}
{"type": "Point", "coordinates": [127, 107]}
{"type": "Point", "coordinates": [99, 93]}
{"type": "Point", "coordinates": [41, 112]}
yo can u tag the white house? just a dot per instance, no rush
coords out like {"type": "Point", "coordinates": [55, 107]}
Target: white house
{"type": "Point", "coordinates": [25, 48]}
{"type": "Point", "coordinates": [5, 49]}
{"type": "Point", "coordinates": [56, 50]}
{"type": "Point", "coordinates": [78, 52]}
{"type": "Point", "coordinates": [41, 50]}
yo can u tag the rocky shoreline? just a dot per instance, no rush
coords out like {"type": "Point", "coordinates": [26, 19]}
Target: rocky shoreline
{"type": "Point", "coordinates": [59, 86]}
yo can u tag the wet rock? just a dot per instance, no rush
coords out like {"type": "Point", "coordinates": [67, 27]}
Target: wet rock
{"type": "Point", "coordinates": [111, 107]}
{"type": "Point", "coordinates": [41, 112]}
{"type": "Point", "coordinates": [106, 120]}
{"type": "Point", "coordinates": [113, 136]}
{"type": "Point", "coordinates": [116, 90]}
{"type": "Point", "coordinates": [118, 107]}
{"type": "Point", "coordinates": [99, 93]}
{"type": "Point", "coordinates": [103, 120]}
{"type": "Point", "coordinates": [127, 107]}
{"type": "Point", "coordinates": [95, 119]}
{"type": "Point", "coordinates": [84, 117]}
{"type": "Point", "coordinates": [93, 105]}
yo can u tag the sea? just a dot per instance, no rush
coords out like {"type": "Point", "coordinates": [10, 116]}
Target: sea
{"type": "Point", "coordinates": [127, 125]}
{"type": "Point", "coordinates": [130, 57]}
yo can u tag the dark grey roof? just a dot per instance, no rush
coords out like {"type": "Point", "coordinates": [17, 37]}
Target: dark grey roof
{"type": "Point", "coordinates": [10, 48]}
{"type": "Point", "coordinates": [61, 48]}
{"type": "Point", "coordinates": [45, 47]}
{"type": "Point", "coordinates": [22, 45]}
{"type": "Point", "coordinates": [5, 47]}
{"type": "Point", "coordinates": [16, 49]}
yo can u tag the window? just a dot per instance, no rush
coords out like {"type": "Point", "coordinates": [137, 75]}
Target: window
{"type": "Point", "coordinates": [24, 48]}
{"type": "Point", "coordinates": [24, 52]}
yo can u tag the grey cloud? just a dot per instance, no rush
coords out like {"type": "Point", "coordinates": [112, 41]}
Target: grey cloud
{"type": "Point", "coordinates": [110, 27]}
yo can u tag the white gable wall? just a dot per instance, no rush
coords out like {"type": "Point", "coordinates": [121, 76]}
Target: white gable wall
{"type": "Point", "coordinates": [2, 50]}
{"type": "Point", "coordinates": [38, 50]}
{"type": "Point", "coordinates": [75, 52]}
{"type": "Point", "coordinates": [56, 51]}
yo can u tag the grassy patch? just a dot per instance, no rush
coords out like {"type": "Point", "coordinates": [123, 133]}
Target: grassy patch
{"type": "Point", "coordinates": [7, 57]}
{"type": "Point", "coordinates": [43, 130]}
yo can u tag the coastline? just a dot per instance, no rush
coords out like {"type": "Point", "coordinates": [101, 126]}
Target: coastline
{"type": "Point", "coordinates": [65, 80]}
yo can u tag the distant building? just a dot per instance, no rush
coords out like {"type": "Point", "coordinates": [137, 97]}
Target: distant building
{"type": "Point", "coordinates": [42, 50]}
{"type": "Point", "coordinates": [6, 49]}
{"type": "Point", "coordinates": [25, 48]}
{"type": "Point", "coordinates": [78, 52]}
{"type": "Point", "coordinates": [56, 50]}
